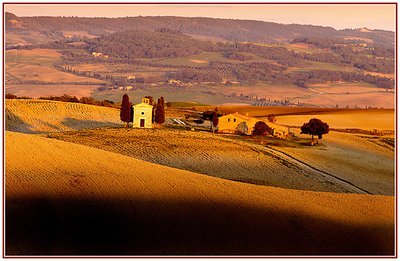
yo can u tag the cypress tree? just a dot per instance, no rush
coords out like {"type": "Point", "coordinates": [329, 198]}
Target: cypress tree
{"type": "Point", "coordinates": [125, 113]}
{"type": "Point", "coordinates": [214, 119]}
{"type": "Point", "coordinates": [160, 112]}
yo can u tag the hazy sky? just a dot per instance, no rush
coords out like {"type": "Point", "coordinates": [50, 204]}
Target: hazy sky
{"type": "Point", "coordinates": [339, 16]}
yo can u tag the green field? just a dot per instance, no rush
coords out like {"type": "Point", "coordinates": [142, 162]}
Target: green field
{"type": "Point", "coordinates": [347, 84]}
{"type": "Point", "coordinates": [203, 59]}
{"type": "Point", "coordinates": [323, 66]}
{"type": "Point", "coordinates": [293, 48]}
{"type": "Point", "coordinates": [170, 95]}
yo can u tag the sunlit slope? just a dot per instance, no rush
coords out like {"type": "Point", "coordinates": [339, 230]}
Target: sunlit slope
{"type": "Point", "coordinates": [205, 153]}
{"type": "Point", "coordinates": [36, 116]}
{"type": "Point", "coordinates": [64, 198]}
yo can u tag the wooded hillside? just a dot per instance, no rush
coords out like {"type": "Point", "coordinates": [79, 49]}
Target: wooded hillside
{"type": "Point", "coordinates": [229, 29]}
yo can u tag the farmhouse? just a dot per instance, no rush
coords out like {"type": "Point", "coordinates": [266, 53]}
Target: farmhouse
{"type": "Point", "coordinates": [96, 54]}
{"type": "Point", "coordinates": [143, 114]}
{"type": "Point", "coordinates": [229, 124]}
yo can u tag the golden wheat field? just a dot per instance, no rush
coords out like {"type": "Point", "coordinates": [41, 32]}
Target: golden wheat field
{"type": "Point", "coordinates": [361, 119]}
{"type": "Point", "coordinates": [364, 160]}
{"type": "Point", "coordinates": [361, 157]}
{"type": "Point", "coordinates": [204, 153]}
{"type": "Point", "coordinates": [36, 116]}
{"type": "Point", "coordinates": [365, 163]}
{"type": "Point", "coordinates": [108, 203]}
{"type": "Point", "coordinates": [380, 119]}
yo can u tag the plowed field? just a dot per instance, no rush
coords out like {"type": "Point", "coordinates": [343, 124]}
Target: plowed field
{"type": "Point", "coordinates": [69, 199]}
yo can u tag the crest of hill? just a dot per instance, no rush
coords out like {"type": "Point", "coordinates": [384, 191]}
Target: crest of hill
{"type": "Point", "coordinates": [10, 16]}
{"type": "Point", "coordinates": [41, 116]}
{"type": "Point", "coordinates": [144, 208]}
{"type": "Point", "coordinates": [228, 29]}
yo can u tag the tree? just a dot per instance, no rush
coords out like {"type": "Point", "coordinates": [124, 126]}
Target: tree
{"type": "Point", "coordinates": [214, 119]}
{"type": "Point", "coordinates": [271, 118]}
{"type": "Point", "coordinates": [315, 127]}
{"type": "Point", "coordinates": [261, 129]}
{"type": "Point", "coordinates": [125, 113]}
{"type": "Point", "coordinates": [160, 112]}
{"type": "Point", "coordinates": [242, 128]}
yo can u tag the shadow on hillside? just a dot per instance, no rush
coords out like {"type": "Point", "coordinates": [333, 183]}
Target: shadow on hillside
{"type": "Point", "coordinates": [121, 226]}
{"type": "Point", "coordinates": [77, 124]}
{"type": "Point", "coordinates": [16, 124]}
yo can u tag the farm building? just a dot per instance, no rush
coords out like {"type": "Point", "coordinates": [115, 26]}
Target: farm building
{"type": "Point", "coordinates": [143, 114]}
{"type": "Point", "coordinates": [229, 124]}
{"type": "Point", "coordinates": [96, 54]}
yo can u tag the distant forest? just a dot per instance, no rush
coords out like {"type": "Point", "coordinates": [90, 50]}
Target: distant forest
{"type": "Point", "coordinates": [228, 29]}
{"type": "Point", "coordinates": [145, 44]}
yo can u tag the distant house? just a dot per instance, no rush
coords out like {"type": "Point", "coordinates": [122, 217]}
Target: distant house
{"type": "Point", "coordinates": [96, 54]}
{"type": "Point", "coordinates": [229, 124]}
{"type": "Point", "coordinates": [173, 81]}
{"type": "Point", "coordinates": [143, 114]}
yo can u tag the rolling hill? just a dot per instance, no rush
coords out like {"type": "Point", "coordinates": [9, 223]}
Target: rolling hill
{"type": "Point", "coordinates": [367, 160]}
{"type": "Point", "coordinates": [63, 198]}
{"type": "Point", "coordinates": [41, 116]}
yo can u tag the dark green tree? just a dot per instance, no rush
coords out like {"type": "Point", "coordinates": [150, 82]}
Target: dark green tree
{"type": "Point", "coordinates": [160, 111]}
{"type": "Point", "coordinates": [315, 127]}
{"type": "Point", "coordinates": [125, 113]}
{"type": "Point", "coordinates": [261, 129]}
